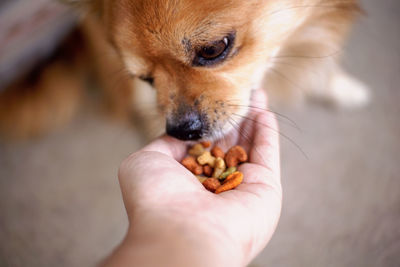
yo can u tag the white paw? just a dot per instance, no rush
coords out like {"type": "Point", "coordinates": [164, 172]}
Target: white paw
{"type": "Point", "coordinates": [348, 92]}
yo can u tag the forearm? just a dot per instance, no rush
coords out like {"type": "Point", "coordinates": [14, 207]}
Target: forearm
{"type": "Point", "coordinates": [170, 244]}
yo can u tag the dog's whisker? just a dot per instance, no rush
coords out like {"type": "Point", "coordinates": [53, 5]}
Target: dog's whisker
{"type": "Point", "coordinates": [226, 142]}
{"type": "Point", "coordinates": [247, 137]}
{"type": "Point", "coordinates": [297, 67]}
{"type": "Point", "coordinates": [285, 119]}
{"type": "Point", "coordinates": [237, 127]}
{"type": "Point", "coordinates": [219, 132]}
{"type": "Point", "coordinates": [285, 78]}
{"type": "Point", "coordinates": [276, 131]}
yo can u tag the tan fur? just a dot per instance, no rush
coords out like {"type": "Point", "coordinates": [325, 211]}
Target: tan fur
{"type": "Point", "coordinates": [289, 47]}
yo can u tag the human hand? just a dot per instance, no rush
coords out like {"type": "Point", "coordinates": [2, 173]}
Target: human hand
{"type": "Point", "coordinates": [169, 210]}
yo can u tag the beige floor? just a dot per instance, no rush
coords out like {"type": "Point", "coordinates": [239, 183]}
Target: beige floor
{"type": "Point", "coordinates": [60, 203]}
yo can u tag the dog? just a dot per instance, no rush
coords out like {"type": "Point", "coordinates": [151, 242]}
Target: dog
{"type": "Point", "coordinates": [196, 63]}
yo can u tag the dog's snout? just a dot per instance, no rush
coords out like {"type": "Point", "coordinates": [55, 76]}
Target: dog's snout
{"type": "Point", "coordinates": [188, 126]}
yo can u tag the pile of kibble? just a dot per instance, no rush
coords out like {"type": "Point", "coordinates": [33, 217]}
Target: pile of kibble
{"type": "Point", "coordinates": [214, 168]}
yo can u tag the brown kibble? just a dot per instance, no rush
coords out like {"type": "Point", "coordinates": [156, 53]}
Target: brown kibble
{"type": "Point", "coordinates": [207, 170]}
{"type": "Point", "coordinates": [211, 184]}
{"type": "Point", "coordinates": [191, 164]}
{"type": "Point", "coordinates": [231, 176]}
{"type": "Point", "coordinates": [206, 158]}
{"type": "Point", "coordinates": [235, 155]}
{"type": "Point", "coordinates": [213, 167]}
{"type": "Point", "coordinates": [217, 152]}
{"type": "Point", "coordinates": [206, 144]}
{"type": "Point", "coordinates": [231, 182]}
{"type": "Point", "coordinates": [196, 150]}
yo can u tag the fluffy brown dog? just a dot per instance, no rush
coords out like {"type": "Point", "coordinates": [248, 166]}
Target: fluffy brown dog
{"type": "Point", "coordinates": [204, 58]}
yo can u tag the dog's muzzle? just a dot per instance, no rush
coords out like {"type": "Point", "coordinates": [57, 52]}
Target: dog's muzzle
{"type": "Point", "coordinates": [190, 125]}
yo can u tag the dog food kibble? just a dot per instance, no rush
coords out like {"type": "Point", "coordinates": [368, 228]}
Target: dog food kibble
{"type": "Point", "coordinates": [230, 182]}
{"type": "Point", "coordinates": [206, 144]}
{"type": "Point", "coordinates": [219, 167]}
{"type": "Point", "coordinates": [196, 150]}
{"type": "Point", "coordinates": [210, 167]}
{"type": "Point", "coordinates": [191, 164]}
{"type": "Point", "coordinates": [217, 152]}
{"type": "Point", "coordinates": [206, 158]}
{"type": "Point", "coordinates": [235, 155]}
{"type": "Point", "coordinates": [226, 173]}
{"type": "Point", "coordinates": [211, 184]}
{"type": "Point", "coordinates": [207, 170]}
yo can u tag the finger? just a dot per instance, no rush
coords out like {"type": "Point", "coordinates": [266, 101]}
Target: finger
{"type": "Point", "coordinates": [148, 178]}
{"type": "Point", "coordinates": [265, 150]}
{"type": "Point", "coordinates": [265, 204]}
{"type": "Point", "coordinates": [259, 175]}
{"type": "Point", "coordinates": [242, 124]}
{"type": "Point", "coordinates": [258, 105]}
{"type": "Point", "coordinates": [245, 133]}
{"type": "Point", "coordinates": [261, 194]}
{"type": "Point", "coordinates": [259, 100]}
{"type": "Point", "coordinates": [147, 167]}
{"type": "Point", "coordinates": [229, 140]}
{"type": "Point", "coordinates": [259, 182]}
{"type": "Point", "coordinates": [256, 179]}
{"type": "Point", "coordinates": [169, 146]}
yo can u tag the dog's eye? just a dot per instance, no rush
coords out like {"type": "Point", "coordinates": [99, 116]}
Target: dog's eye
{"type": "Point", "coordinates": [148, 79]}
{"type": "Point", "coordinates": [214, 53]}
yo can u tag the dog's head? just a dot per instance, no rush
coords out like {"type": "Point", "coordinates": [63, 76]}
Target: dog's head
{"type": "Point", "coordinates": [202, 57]}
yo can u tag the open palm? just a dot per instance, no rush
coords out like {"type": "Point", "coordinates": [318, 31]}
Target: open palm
{"type": "Point", "coordinates": [156, 186]}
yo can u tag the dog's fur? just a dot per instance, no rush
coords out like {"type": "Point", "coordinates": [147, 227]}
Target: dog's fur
{"type": "Point", "coordinates": [289, 47]}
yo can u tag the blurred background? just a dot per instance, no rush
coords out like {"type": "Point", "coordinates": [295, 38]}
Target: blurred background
{"type": "Point", "coordinates": [60, 203]}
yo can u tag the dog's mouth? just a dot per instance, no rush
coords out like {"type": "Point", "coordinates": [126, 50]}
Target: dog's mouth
{"type": "Point", "coordinates": [190, 125]}
{"type": "Point", "coordinates": [212, 122]}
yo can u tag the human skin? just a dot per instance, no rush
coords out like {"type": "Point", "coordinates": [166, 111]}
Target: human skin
{"type": "Point", "coordinates": [174, 221]}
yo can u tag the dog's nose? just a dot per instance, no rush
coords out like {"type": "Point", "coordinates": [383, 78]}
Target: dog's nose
{"type": "Point", "coordinates": [189, 126]}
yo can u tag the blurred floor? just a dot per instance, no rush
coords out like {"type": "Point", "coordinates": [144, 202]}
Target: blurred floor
{"type": "Point", "coordinates": [60, 203]}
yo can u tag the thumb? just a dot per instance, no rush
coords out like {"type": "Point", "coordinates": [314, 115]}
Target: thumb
{"type": "Point", "coordinates": [259, 99]}
{"type": "Point", "coordinates": [169, 146]}
{"type": "Point", "coordinates": [149, 178]}
{"type": "Point", "coordinates": [154, 165]}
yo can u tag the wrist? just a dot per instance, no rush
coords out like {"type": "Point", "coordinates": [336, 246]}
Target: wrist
{"type": "Point", "coordinates": [166, 241]}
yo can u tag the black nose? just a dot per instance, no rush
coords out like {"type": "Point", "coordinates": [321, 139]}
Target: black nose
{"type": "Point", "coordinates": [189, 126]}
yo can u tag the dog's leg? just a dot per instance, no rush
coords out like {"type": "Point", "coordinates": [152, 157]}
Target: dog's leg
{"type": "Point", "coordinates": [345, 90]}
{"type": "Point", "coordinates": [307, 66]}
{"type": "Point", "coordinates": [45, 101]}
{"type": "Point", "coordinates": [51, 98]}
